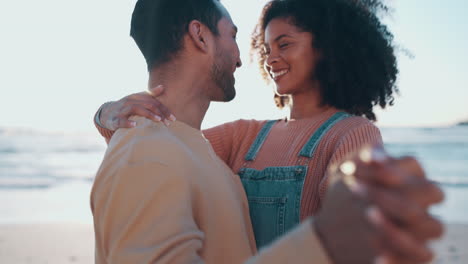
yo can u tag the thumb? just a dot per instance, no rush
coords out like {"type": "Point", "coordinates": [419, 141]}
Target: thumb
{"type": "Point", "coordinates": [156, 91]}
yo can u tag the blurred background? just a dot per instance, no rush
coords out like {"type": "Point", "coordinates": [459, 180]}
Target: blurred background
{"type": "Point", "coordinates": [60, 60]}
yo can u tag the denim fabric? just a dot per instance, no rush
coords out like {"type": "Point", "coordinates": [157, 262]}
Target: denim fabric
{"type": "Point", "coordinates": [274, 196]}
{"type": "Point", "coordinates": [274, 193]}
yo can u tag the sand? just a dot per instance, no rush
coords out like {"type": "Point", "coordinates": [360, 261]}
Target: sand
{"type": "Point", "coordinates": [74, 243]}
{"type": "Point", "coordinates": [453, 247]}
{"type": "Point", "coordinates": [46, 243]}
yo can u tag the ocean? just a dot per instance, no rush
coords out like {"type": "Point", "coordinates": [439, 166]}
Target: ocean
{"type": "Point", "coordinates": [47, 176]}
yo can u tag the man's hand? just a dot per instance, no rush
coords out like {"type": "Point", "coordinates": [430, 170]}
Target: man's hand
{"type": "Point", "coordinates": [343, 226]}
{"type": "Point", "coordinates": [116, 114]}
{"type": "Point", "coordinates": [383, 213]}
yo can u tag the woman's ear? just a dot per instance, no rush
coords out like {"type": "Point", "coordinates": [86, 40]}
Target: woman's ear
{"type": "Point", "coordinates": [199, 34]}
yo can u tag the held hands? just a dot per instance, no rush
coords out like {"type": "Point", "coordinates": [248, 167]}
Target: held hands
{"type": "Point", "coordinates": [376, 211]}
{"type": "Point", "coordinates": [116, 114]}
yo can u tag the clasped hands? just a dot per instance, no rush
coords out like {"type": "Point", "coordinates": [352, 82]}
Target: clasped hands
{"type": "Point", "coordinates": [376, 211]}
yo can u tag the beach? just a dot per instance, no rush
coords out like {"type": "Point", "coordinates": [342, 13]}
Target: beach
{"type": "Point", "coordinates": [74, 243]}
{"type": "Point", "coordinates": [453, 247]}
{"type": "Point", "coordinates": [46, 243]}
{"type": "Point", "coordinates": [46, 179]}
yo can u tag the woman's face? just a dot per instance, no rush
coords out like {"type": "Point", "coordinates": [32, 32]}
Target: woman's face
{"type": "Point", "coordinates": [290, 58]}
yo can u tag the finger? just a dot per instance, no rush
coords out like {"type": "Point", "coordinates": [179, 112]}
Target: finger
{"type": "Point", "coordinates": [411, 166]}
{"type": "Point", "coordinates": [156, 91]}
{"type": "Point", "coordinates": [116, 123]}
{"type": "Point", "coordinates": [374, 152]}
{"type": "Point", "coordinates": [395, 206]}
{"type": "Point", "coordinates": [427, 229]}
{"type": "Point", "coordinates": [141, 111]}
{"type": "Point", "coordinates": [137, 97]}
{"type": "Point", "coordinates": [400, 243]}
{"type": "Point", "coordinates": [388, 258]}
{"type": "Point", "coordinates": [381, 172]}
{"type": "Point", "coordinates": [124, 123]}
{"type": "Point", "coordinates": [154, 105]}
{"type": "Point", "coordinates": [423, 192]}
{"type": "Point", "coordinates": [377, 158]}
{"type": "Point", "coordinates": [158, 109]}
{"type": "Point", "coordinates": [165, 112]}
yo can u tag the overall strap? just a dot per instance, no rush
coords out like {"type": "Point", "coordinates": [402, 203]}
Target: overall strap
{"type": "Point", "coordinates": [262, 135]}
{"type": "Point", "coordinates": [309, 148]}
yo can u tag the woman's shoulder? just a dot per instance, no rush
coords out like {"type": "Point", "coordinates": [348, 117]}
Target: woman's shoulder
{"type": "Point", "coordinates": [249, 122]}
{"type": "Point", "coordinates": [355, 128]}
{"type": "Point", "coordinates": [355, 122]}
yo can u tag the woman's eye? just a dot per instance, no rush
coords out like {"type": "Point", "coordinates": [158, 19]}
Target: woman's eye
{"type": "Point", "coordinates": [283, 45]}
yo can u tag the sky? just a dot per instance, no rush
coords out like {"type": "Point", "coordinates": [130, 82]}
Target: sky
{"type": "Point", "coordinates": [60, 60]}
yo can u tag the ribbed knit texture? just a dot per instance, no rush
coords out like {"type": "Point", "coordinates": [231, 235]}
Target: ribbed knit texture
{"type": "Point", "coordinates": [231, 141]}
{"type": "Point", "coordinates": [106, 133]}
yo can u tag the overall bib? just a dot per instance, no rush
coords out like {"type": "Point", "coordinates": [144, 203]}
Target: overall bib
{"type": "Point", "coordinates": [274, 193]}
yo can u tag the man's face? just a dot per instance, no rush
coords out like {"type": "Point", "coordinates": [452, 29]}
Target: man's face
{"type": "Point", "coordinates": [226, 60]}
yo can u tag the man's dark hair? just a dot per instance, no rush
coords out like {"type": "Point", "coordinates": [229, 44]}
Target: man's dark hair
{"type": "Point", "coordinates": [358, 67]}
{"type": "Point", "coordinates": [158, 26]}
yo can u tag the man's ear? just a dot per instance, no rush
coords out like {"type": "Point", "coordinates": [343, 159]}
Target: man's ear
{"type": "Point", "coordinates": [199, 34]}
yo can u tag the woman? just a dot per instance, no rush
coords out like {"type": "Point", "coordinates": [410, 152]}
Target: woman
{"type": "Point", "coordinates": [331, 61]}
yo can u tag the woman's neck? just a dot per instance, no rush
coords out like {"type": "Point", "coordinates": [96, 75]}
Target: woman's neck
{"type": "Point", "coordinates": [307, 105]}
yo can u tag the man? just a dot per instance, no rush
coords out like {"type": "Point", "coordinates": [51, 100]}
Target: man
{"type": "Point", "coordinates": [162, 195]}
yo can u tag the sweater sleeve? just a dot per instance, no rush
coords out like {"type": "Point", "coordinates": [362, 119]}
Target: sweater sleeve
{"type": "Point", "coordinates": [227, 139]}
{"type": "Point", "coordinates": [359, 136]}
{"type": "Point", "coordinates": [106, 133]}
{"type": "Point", "coordinates": [220, 138]}
{"type": "Point", "coordinates": [148, 220]}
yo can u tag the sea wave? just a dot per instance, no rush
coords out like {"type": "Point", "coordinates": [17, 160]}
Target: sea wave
{"type": "Point", "coordinates": [8, 150]}
{"type": "Point", "coordinates": [461, 182]}
{"type": "Point", "coordinates": [35, 149]}
{"type": "Point", "coordinates": [38, 182]}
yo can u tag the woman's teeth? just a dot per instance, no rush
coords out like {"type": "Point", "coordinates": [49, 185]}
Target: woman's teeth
{"type": "Point", "coordinates": [278, 74]}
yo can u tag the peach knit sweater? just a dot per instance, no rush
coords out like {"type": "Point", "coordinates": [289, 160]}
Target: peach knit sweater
{"type": "Point", "coordinates": [231, 141]}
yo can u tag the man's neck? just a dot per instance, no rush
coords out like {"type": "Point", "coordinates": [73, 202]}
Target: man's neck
{"type": "Point", "coordinates": [183, 93]}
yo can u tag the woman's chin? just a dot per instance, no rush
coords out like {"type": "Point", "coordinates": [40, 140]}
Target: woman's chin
{"type": "Point", "coordinates": [281, 91]}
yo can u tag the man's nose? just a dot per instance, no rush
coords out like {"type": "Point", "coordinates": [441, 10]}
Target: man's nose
{"type": "Point", "coordinates": [239, 63]}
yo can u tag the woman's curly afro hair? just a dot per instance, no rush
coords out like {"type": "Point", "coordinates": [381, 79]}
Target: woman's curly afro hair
{"type": "Point", "coordinates": [358, 68]}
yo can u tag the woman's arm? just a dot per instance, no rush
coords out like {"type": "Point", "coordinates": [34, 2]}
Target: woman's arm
{"type": "Point", "coordinates": [352, 139]}
{"type": "Point", "coordinates": [228, 139]}
{"type": "Point", "coordinates": [114, 115]}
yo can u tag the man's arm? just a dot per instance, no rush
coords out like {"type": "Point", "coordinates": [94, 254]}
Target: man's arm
{"type": "Point", "coordinates": [143, 214]}
{"type": "Point", "coordinates": [141, 217]}
{"type": "Point", "coordinates": [300, 245]}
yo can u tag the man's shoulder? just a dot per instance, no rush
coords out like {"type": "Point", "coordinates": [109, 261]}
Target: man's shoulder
{"type": "Point", "coordinates": [147, 142]}
{"type": "Point", "coordinates": [146, 152]}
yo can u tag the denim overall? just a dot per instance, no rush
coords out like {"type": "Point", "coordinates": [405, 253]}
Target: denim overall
{"type": "Point", "coordinates": [274, 193]}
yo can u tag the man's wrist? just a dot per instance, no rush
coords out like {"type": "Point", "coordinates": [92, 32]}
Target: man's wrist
{"type": "Point", "coordinates": [321, 238]}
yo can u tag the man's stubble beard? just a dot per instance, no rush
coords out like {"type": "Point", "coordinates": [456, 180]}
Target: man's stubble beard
{"type": "Point", "coordinates": [223, 77]}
